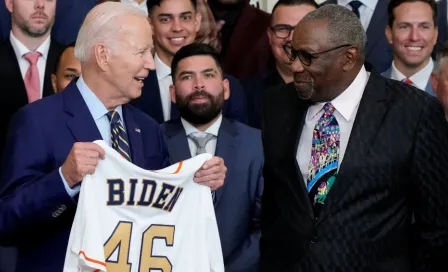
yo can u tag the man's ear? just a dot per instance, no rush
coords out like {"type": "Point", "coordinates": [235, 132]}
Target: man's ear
{"type": "Point", "coordinates": [173, 93]}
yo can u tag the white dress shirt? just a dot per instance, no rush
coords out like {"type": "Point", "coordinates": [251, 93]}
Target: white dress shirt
{"type": "Point", "coordinates": [99, 114]}
{"type": "Point", "coordinates": [210, 147]}
{"type": "Point", "coordinates": [143, 7]}
{"type": "Point", "coordinates": [346, 105]}
{"type": "Point", "coordinates": [165, 81]}
{"type": "Point", "coordinates": [20, 50]}
{"type": "Point", "coordinates": [365, 10]}
{"type": "Point", "coordinates": [419, 79]}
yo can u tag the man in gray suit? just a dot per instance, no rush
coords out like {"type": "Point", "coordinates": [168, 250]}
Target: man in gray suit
{"type": "Point", "coordinates": [199, 91]}
{"type": "Point", "coordinates": [412, 31]}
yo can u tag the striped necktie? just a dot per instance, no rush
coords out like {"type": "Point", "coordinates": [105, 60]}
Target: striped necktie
{"type": "Point", "coordinates": [324, 161]}
{"type": "Point", "coordinates": [119, 136]}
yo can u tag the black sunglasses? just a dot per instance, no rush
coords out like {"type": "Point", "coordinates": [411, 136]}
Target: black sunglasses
{"type": "Point", "coordinates": [305, 57]}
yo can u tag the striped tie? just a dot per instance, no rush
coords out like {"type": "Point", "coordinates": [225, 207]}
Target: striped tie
{"type": "Point", "coordinates": [118, 135]}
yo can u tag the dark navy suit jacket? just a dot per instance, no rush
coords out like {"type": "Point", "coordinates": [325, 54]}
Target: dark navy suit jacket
{"type": "Point", "coordinates": [237, 204]}
{"type": "Point", "coordinates": [40, 137]}
{"type": "Point", "coordinates": [150, 102]}
{"type": "Point", "coordinates": [69, 17]}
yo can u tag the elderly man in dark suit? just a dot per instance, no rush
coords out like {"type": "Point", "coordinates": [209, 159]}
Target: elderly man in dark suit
{"type": "Point", "coordinates": [199, 92]}
{"type": "Point", "coordinates": [350, 158]}
{"type": "Point", "coordinates": [50, 149]}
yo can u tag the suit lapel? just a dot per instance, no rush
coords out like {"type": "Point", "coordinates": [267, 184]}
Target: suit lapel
{"type": "Point", "coordinates": [53, 53]}
{"type": "Point", "coordinates": [177, 141]}
{"type": "Point", "coordinates": [368, 119]}
{"type": "Point", "coordinates": [81, 125]}
{"type": "Point", "coordinates": [135, 137]}
{"type": "Point", "coordinates": [373, 31]}
{"type": "Point", "coordinates": [225, 148]}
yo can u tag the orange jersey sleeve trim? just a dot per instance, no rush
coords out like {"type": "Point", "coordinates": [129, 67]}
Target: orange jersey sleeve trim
{"type": "Point", "coordinates": [92, 260]}
{"type": "Point", "coordinates": [179, 167]}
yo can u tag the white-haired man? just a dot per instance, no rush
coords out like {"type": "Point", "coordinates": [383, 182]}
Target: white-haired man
{"type": "Point", "coordinates": [50, 155]}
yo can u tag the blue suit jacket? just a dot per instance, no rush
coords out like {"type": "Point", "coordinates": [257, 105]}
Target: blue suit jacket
{"type": "Point", "coordinates": [41, 136]}
{"type": "Point", "coordinates": [378, 50]}
{"type": "Point", "coordinates": [69, 17]}
{"type": "Point", "coordinates": [150, 102]}
{"type": "Point", "coordinates": [442, 24]}
{"type": "Point", "coordinates": [428, 89]}
{"type": "Point", "coordinates": [237, 204]}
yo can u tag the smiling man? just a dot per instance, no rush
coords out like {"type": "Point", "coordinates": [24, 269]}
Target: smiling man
{"type": "Point", "coordinates": [412, 32]}
{"type": "Point", "coordinates": [175, 24]}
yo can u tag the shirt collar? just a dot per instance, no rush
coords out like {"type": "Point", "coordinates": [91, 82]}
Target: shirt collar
{"type": "Point", "coordinates": [20, 49]}
{"type": "Point", "coordinates": [162, 69]}
{"type": "Point", "coordinates": [348, 100]}
{"type": "Point", "coordinates": [213, 129]}
{"type": "Point", "coordinates": [371, 4]}
{"type": "Point", "coordinates": [94, 104]}
{"type": "Point", "coordinates": [419, 79]}
{"type": "Point", "coordinates": [143, 7]}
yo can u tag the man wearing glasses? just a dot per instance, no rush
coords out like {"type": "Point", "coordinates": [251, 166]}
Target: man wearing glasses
{"type": "Point", "coordinates": [350, 157]}
{"type": "Point", "coordinates": [285, 16]}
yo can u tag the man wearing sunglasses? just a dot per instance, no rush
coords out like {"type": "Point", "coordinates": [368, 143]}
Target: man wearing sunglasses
{"type": "Point", "coordinates": [285, 16]}
{"type": "Point", "coordinates": [350, 157]}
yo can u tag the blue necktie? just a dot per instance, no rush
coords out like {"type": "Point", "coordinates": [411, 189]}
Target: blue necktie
{"type": "Point", "coordinates": [119, 136]}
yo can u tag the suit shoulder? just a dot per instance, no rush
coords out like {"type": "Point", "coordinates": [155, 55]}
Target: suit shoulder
{"type": "Point", "coordinates": [407, 95]}
{"type": "Point", "coordinates": [280, 94]}
{"type": "Point", "coordinates": [250, 133]}
{"type": "Point", "coordinates": [170, 123]}
{"type": "Point", "coordinates": [142, 117]}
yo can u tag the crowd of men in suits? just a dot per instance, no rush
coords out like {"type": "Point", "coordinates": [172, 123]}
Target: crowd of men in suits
{"type": "Point", "coordinates": [328, 122]}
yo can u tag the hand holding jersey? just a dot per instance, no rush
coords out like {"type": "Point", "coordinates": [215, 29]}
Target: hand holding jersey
{"type": "Point", "coordinates": [131, 219]}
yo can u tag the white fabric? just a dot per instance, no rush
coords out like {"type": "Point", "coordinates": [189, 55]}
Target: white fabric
{"type": "Point", "coordinates": [180, 232]}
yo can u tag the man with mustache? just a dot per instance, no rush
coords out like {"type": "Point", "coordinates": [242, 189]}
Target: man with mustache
{"type": "Point", "coordinates": [285, 16]}
{"type": "Point", "coordinates": [350, 158]}
{"type": "Point", "coordinates": [412, 31]}
{"type": "Point", "coordinates": [199, 91]}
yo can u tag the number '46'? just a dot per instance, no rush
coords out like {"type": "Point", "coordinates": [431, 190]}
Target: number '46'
{"type": "Point", "coordinates": [121, 236]}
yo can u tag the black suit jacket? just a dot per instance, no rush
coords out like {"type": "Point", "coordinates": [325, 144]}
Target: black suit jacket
{"type": "Point", "coordinates": [442, 24]}
{"type": "Point", "coordinates": [12, 90]}
{"type": "Point", "coordinates": [395, 165]}
{"type": "Point", "coordinates": [378, 50]}
{"type": "Point", "coordinates": [255, 87]}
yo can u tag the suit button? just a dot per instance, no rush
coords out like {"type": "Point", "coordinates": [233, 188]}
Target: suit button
{"type": "Point", "coordinates": [314, 240]}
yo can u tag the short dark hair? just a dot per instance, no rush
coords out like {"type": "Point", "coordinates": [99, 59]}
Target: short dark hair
{"type": "Point", "coordinates": [191, 50]}
{"type": "Point", "coordinates": [58, 60]}
{"type": "Point", "coordinates": [395, 3]}
{"type": "Point", "coordinates": [152, 3]}
{"type": "Point", "coordinates": [289, 3]}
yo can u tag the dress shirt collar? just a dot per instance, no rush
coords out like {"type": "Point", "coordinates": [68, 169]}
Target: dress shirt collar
{"type": "Point", "coordinates": [162, 69]}
{"type": "Point", "coordinates": [20, 49]}
{"type": "Point", "coordinates": [348, 100]}
{"type": "Point", "coordinates": [419, 79]}
{"type": "Point", "coordinates": [94, 104]}
{"type": "Point", "coordinates": [213, 129]}
{"type": "Point", "coordinates": [143, 7]}
{"type": "Point", "coordinates": [371, 4]}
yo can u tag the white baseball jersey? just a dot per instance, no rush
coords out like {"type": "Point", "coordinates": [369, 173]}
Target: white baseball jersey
{"type": "Point", "coordinates": [131, 219]}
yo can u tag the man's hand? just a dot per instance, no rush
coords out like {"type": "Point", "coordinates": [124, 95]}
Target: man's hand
{"type": "Point", "coordinates": [82, 160]}
{"type": "Point", "coordinates": [212, 173]}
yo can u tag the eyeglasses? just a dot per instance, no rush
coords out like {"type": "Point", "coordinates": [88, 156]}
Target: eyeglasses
{"type": "Point", "coordinates": [282, 31]}
{"type": "Point", "coordinates": [305, 57]}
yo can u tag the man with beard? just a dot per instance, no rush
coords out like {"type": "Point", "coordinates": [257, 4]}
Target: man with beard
{"type": "Point", "coordinates": [199, 91]}
{"type": "Point", "coordinates": [350, 157]}
{"type": "Point", "coordinates": [175, 24]}
{"type": "Point", "coordinates": [412, 31]}
{"type": "Point", "coordinates": [27, 58]}
{"type": "Point", "coordinates": [285, 16]}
